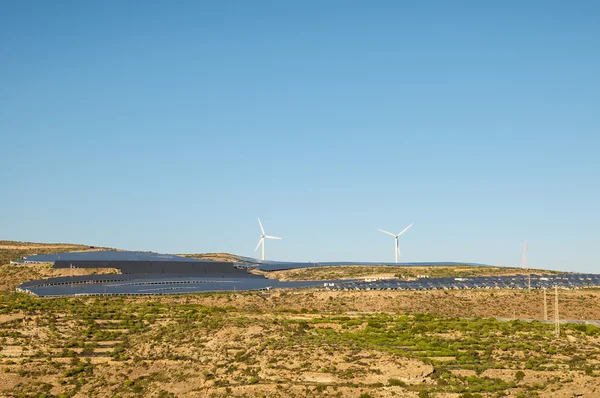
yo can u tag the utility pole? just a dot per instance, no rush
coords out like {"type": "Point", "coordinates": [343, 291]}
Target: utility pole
{"type": "Point", "coordinates": [545, 306]}
{"type": "Point", "coordinates": [556, 317]}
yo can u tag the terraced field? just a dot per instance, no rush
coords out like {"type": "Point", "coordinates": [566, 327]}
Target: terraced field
{"type": "Point", "coordinates": [185, 347]}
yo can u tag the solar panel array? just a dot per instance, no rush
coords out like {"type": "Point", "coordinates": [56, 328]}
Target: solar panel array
{"type": "Point", "coordinates": [564, 281]}
{"type": "Point", "coordinates": [117, 284]}
{"type": "Point", "coordinates": [153, 273]}
{"type": "Point", "coordinates": [265, 265]}
{"type": "Point", "coordinates": [104, 255]}
{"type": "Point", "coordinates": [172, 284]}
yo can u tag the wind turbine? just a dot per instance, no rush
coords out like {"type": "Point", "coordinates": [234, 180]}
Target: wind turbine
{"type": "Point", "coordinates": [262, 239]}
{"type": "Point", "coordinates": [396, 248]}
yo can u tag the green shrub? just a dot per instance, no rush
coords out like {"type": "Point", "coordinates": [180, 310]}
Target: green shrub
{"type": "Point", "coordinates": [519, 376]}
{"type": "Point", "coordinates": [396, 382]}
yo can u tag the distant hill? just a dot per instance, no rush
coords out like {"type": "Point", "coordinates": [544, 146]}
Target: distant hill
{"type": "Point", "coordinates": [12, 250]}
{"type": "Point", "coordinates": [11, 274]}
{"type": "Point", "coordinates": [213, 256]}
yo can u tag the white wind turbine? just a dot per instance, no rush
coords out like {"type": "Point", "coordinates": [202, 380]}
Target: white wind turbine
{"type": "Point", "coordinates": [262, 239]}
{"type": "Point", "coordinates": [396, 248]}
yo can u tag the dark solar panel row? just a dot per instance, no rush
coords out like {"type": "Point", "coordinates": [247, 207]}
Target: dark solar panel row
{"type": "Point", "coordinates": [137, 285]}
{"type": "Point", "coordinates": [565, 281]}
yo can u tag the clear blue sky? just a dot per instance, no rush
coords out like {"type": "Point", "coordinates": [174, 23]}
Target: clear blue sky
{"type": "Point", "coordinates": [170, 126]}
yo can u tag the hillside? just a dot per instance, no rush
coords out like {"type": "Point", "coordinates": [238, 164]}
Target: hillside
{"type": "Point", "coordinates": [213, 256]}
{"type": "Point", "coordinates": [352, 271]}
{"type": "Point", "coordinates": [295, 343]}
{"type": "Point", "coordinates": [300, 344]}
{"type": "Point", "coordinates": [11, 250]}
{"type": "Point", "coordinates": [13, 274]}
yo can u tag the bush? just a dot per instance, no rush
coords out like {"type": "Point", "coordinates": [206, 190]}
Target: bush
{"type": "Point", "coordinates": [519, 376]}
{"type": "Point", "coordinates": [396, 382]}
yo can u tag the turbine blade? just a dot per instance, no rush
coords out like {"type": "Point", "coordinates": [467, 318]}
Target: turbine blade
{"type": "Point", "coordinates": [257, 246]}
{"type": "Point", "coordinates": [272, 237]}
{"type": "Point", "coordinates": [261, 227]}
{"type": "Point", "coordinates": [386, 232]}
{"type": "Point", "coordinates": [406, 229]}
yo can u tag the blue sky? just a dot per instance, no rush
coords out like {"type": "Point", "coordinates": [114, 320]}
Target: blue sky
{"type": "Point", "coordinates": [170, 126]}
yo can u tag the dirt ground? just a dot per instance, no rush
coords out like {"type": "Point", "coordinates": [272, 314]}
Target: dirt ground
{"type": "Point", "coordinates": [520, 304]}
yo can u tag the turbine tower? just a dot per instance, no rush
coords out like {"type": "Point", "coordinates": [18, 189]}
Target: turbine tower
{"type": "Point", "coordinates": [262, 239]}
{"type": "Point", "coordinates": [396, 247]}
